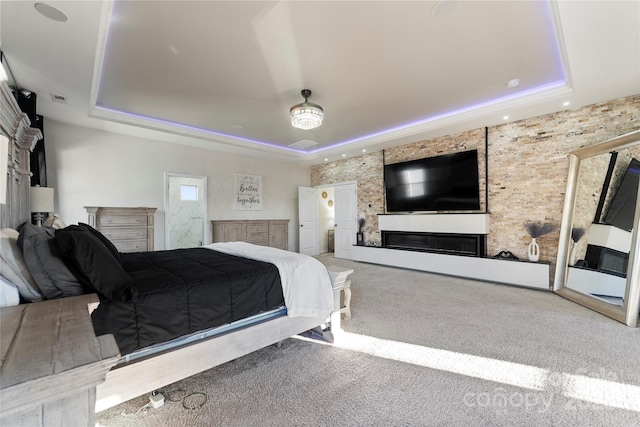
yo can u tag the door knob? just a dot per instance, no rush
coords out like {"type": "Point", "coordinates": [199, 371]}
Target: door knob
{"type": "Point", "coordinates": [301, 225]}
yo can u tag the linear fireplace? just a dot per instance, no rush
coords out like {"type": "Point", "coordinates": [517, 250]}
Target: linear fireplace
{"type": "Point", "coordinates": [446, 243]}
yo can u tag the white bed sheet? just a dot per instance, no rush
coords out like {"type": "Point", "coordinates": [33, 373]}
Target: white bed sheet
{"type": "Point", "coordinates": [306, 284]}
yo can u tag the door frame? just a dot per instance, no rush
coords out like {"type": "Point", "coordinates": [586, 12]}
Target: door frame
{"type": "Point", "coordinates": [167, 234]}
{"type": "Point", "coordinates": [338, 184]}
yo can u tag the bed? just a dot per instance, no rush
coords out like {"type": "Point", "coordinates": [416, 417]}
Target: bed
{"type": "Point", "coordinates": [207, 305]}
{"type": "Point", "coordinates": [214, 303]}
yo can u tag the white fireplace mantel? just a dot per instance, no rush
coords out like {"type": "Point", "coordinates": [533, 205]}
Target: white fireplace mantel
{"type": "Point", "coordinates": [519, 273]}
{"type": "Point", "coordinates": [474, 223]}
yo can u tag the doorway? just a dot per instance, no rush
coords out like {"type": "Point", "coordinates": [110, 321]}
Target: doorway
{"type": "Point", "coordinates": [323, 209]}
{"type": "Point", "coordinates": [185, 210]}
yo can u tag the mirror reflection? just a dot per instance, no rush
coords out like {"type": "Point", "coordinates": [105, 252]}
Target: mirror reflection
{"type": "Point", "coordinates": [601, 234]}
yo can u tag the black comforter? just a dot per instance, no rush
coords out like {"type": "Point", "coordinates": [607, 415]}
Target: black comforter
{"type": "Point", "coordinates": [184, 291]}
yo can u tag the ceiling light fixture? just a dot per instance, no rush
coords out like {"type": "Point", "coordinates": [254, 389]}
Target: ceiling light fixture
{"type": "Point", "coordinates": [446, 9]}
{"type": "Point", "coordinates": [306, 115]}
{"type": "Point", "coordinates": [51, 12]}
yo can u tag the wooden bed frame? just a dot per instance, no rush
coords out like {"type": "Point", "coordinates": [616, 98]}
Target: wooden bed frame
{"type": "Point", "coordinates": [126, 381]}
{"type": "Point", "coordinates": [143, 376]}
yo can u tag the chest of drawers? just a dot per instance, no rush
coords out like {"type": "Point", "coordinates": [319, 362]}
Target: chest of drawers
{"type": "Point", "coordinates": [264, 232]}
{"type": "Point", "coordinates": [129, 229]}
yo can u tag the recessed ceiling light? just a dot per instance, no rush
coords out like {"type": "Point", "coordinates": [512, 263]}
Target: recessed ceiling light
{"type": "Point", "coordinates": [446, 9]}
{"type": "Point", "coordinates": [513, 83]}
{"type": "Point", "coordinates": [344, 155]}
{"type": "Point", "coordinates": [364, 150]}
{"type": "Point", "coordinates": [51, 12]}
{"type": "Point", "coordinates": [505, 118]}
{"type": "Point", "coordinates": [566, 103]}
{"type": "Point", "coordinates": [326, 160]}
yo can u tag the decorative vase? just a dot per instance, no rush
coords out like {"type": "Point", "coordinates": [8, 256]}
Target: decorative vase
{"type": "Point", "coordinates": [534, 251]}
{"type": "Point", "coordinates": [572, 253]}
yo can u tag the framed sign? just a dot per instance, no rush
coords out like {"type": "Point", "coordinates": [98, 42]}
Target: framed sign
{"type": "Point", "coordinates": [247, 192]}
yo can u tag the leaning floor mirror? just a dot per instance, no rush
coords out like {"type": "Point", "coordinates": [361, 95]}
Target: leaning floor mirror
{"type": "Point", "coordinates": [598, 263]}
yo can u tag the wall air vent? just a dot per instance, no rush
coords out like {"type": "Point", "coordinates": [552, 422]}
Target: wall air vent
{"type": "Point", "coordinates": [60, 99]}
{"type": "Point", "coordinates": [301, 145]}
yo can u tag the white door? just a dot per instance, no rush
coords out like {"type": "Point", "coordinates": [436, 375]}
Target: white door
{"type": "Point", "coordinates": [346, 215]}
{"type": "Point", "coordinates": [185, 211]}
{"type": "Point", "coordinates": [308, 217]}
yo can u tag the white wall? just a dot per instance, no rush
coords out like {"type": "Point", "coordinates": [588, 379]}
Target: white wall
{"type": "Point", "coordinates": [90, 167]}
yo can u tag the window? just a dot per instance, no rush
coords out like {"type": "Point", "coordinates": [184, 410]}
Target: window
{"type": "Point", "coordinates": [189, 192]}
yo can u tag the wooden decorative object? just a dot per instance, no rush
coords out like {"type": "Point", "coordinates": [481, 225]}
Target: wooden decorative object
{"type": "Point", "coordinates": [15, 125]}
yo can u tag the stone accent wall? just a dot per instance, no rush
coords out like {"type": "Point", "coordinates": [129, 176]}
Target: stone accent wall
{"type": "Point", "coordinates": [367, 170]}
{"type": "Point", "coordinates": [527, 169]}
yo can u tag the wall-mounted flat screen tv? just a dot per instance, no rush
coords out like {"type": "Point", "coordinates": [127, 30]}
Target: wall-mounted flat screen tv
{"type": "Point", "coordinates": [623, 205]}
{"type": "Point", "coordinates": [442, 183]}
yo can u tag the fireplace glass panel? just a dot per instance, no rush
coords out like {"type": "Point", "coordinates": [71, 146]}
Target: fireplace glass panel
{"type": "Point", "coordinates": [459, 244]}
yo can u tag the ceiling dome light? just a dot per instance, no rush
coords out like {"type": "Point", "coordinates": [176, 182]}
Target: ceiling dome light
{"type": "Point", "coordinates": [306, 115]}
{"type": "Point", "coordinates": [446, 9]}
{"type": "Point", "coordinates": [51, 12]}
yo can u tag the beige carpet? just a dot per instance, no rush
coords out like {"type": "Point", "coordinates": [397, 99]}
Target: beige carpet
{"type": "Point", "coordinates": [423, 350]}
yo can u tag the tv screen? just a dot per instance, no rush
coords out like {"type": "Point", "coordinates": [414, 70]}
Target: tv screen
{"type": "Point", "coordinates": [623, 204]}
{"type": "Point", "coordinates": [442, 183]}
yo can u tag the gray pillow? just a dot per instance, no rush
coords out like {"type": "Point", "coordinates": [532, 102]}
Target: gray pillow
{"type": "Point", "coordinates": [46, 265]}
{"type": "Point", "coordinates": [14, 268]}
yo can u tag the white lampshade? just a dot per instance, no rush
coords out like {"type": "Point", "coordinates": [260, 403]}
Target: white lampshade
{"type": "Point", "coordinates": [41, 199]}
{"type": "Point", "coordinates": [3, 74]}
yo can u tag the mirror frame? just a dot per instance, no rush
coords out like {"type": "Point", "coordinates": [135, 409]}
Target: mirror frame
{"type": "Point", "coordinates": [628, 313]}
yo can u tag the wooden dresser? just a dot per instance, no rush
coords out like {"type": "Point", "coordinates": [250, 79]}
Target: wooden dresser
{"type": "Point", "coordinates": [129, 229]}
{"type": "Point", "coordinates": [265, 232]}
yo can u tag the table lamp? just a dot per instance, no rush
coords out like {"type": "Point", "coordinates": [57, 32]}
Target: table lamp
{"type": "Point", "coordinates": [40, 200]}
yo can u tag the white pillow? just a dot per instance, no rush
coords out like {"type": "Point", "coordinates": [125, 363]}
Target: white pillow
{"type": "Point", "coordinates": [54, 221]}
{"type": "Point", "coordinates": [8, 293]}
{"type": "Point", "coordinates": [13, 267]}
